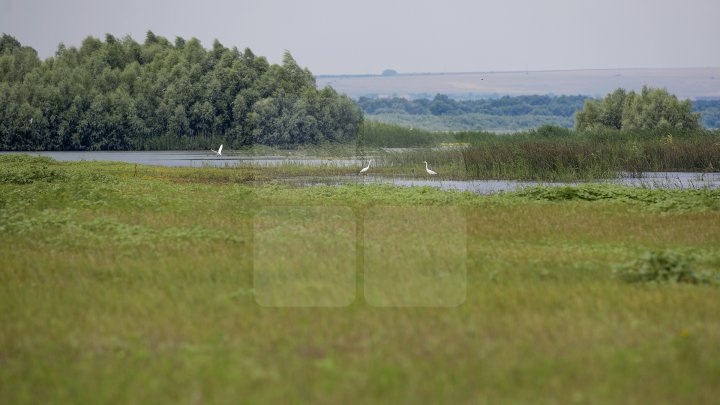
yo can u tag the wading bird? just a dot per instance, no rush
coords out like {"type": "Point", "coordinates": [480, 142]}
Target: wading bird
{"type": "Point", "coordinates": [430, 172]}
{"type": "Point", "coordinates": [365, 169]}
{"type": "Point", "coordinates": [218, 152]}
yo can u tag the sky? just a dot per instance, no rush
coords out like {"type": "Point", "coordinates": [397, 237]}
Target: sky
{"type": "Point", "coordinates": [410, 36]}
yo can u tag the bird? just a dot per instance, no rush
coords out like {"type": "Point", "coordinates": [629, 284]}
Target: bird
{"type": "Point", "coordinates": [218, 152]}
{"type": "Point", "coordinates": [365, 169]}
{"type": "Point", "coordinates": [430, 172]}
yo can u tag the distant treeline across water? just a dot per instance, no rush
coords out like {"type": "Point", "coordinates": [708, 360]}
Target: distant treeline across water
{"type": "Point", "coordinates": [502, 113]}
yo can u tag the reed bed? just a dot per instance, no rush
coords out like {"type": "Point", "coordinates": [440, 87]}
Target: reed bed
{"type": "Point", "coordinates": [563, 159]}
{"type": "Point", "coordinates": [553, 153]}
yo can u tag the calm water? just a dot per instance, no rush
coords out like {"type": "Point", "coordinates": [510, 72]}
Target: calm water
{"type": "Point", "coordinates": [191, 158]}
{"type": "Point", "coordinates": [649, 180]}
{"type": "Point", "coordinates": [208, 159]}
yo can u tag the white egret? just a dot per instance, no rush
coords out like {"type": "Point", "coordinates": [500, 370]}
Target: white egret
{"type": "Point", "coordinates": [430, 172]}
{"type": "Point", "coordinates": [365, 169]}
{"type": "Point", "coordinates": [218, 152]}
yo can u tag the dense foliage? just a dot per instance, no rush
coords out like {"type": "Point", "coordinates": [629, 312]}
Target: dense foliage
{"type": "Point", "coordinates": [444, 105]}
{"type": "Point", "coordinates": [118, 94]}
{"type": "Point", "coordinates": [709, 112]}
{"type": "Point", "coordinates": [650, 109]}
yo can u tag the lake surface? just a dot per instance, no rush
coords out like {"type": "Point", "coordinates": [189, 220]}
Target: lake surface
{"type": "Point", "coordinates": [191, 158]}
{"type": "Point", "coordinates": [672, 180]}
{"type": "Point", "coordinates": [680, 180]}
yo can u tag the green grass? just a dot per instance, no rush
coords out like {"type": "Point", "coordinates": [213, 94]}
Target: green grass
{"type": "Point", "coordinates": [124, 284]}
{"type": "Point", "coordinates": [374, 133]}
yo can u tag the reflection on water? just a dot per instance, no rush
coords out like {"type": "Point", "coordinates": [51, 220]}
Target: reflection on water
{"type": "Point", "coordinates": [208, 159]}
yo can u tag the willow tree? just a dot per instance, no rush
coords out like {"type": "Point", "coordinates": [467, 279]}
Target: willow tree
{"type": "Point", "coordinates": [650, 109]}
{"type": "Point", "coordinates": [120, 94]}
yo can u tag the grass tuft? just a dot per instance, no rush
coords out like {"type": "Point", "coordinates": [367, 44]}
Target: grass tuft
{"type": "Point", "coordinates": [664, 267]}
{"type": "Point", "coordinates": [25, 169]}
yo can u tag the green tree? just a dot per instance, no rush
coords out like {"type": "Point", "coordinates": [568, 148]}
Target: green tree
{"type": "Point", "coordinates": [120, 94]}
{"type": "Point", "coordinates": [650, 109]}
{"type": "Point", "coordinates": [658, 109]}
{"type": "Point", "coordinates": [178, 124]}
{"type": "Point", "coordinates": [589, 116]}
{"type": "Point", "coordinates": [8, 43]}
{"type": "Point", "coordinates": [611, 109]}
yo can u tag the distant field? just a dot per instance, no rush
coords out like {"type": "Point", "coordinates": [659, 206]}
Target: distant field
{"type": "Point", "coordinates": [685, 83]}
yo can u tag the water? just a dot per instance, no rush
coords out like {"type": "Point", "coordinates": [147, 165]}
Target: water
{"type": "Point", "coordinates": [672, 180]}
{"type": "Point", "coordinates": [680, 180]}
{"type": "Point", "coordinates": [191, 158]}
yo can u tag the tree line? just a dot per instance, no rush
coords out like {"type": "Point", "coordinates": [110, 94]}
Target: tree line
{"type": "Point", "coordinates": [511, 111]}
{"type": "Point", "coordinates": [119, 94]}
{"type": "Point", "coordinates": [441, 104]}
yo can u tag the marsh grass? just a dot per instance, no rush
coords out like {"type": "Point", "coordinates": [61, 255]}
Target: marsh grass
{"type": "Point", "coordinates": [136, 285]}
{"type": "Point", "coordinates": [377, 134]}
{"type": "Point", "coordinates": [549, 153]}
{"type": "Point", "coordinates": [567, 155]}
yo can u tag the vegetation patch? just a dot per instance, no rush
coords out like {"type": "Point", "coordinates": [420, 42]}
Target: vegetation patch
{"type": "Point", "coordinates": [662, 200]}
{"type": "Point", "coordinates": [666, 267]}
{"type": "Point", "coordinates": [650, 109]}
{"type": "Point", "coordinates": [138, 285]}
{"type": "Point", "coordinates": [554, 153]}
{"type": "Point", "coordinates": [24, 169]}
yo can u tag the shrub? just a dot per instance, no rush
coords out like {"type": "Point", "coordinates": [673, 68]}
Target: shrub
{"type": "Point", "coordinates": [25, 169]}
{"type": "Point", "coordinates": [667, 266]}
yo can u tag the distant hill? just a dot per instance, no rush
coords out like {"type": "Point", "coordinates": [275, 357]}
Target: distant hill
{"type": "Point", "coordinates": [693, 83]}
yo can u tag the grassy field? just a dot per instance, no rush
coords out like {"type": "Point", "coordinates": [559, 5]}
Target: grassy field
{"type": "Point", "coordinates": [133, 284]}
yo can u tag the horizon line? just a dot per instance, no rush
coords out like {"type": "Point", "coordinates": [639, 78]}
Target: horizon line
{"type": "Point", "coordinates": [358, 75]}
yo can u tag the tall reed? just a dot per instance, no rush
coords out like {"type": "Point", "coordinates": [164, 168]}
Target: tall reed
{"type": "Point", "coordinates": [554, 153]}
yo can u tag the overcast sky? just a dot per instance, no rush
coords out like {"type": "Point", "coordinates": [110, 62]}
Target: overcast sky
{"type": "Point", "coordinates": [368, 36]}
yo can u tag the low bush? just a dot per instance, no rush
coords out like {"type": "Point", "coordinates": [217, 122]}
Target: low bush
{"type": "Point", "coordinates": [25, 169]}
{"type": "Point", "coordinates": [663, 267]}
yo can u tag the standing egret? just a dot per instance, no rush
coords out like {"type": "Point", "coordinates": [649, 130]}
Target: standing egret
{"type": "Point", "coordinates": [218, 152]}
{"type": "Point", "coordinates": [365, 169]}
{"type": "Point", "coordinates": [430, 172]}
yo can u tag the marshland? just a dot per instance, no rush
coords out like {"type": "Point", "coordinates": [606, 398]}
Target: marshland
{"type": "Point", "coordinates": [278, 273]}
{"type": "Point", "coordinates": [132, 283]}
